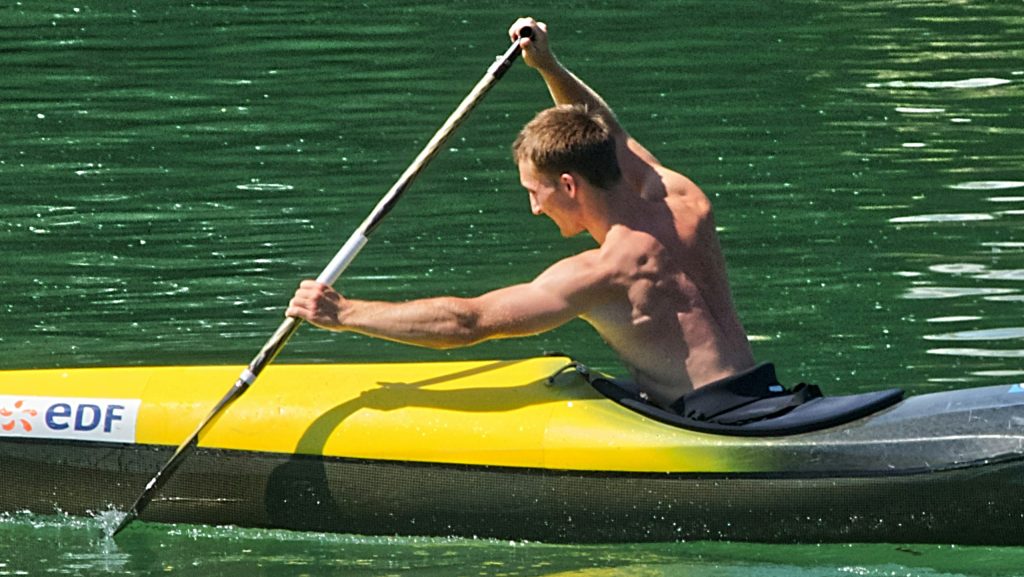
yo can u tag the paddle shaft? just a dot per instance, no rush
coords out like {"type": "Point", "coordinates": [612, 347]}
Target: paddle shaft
{"type": "Point", "coordinates": [330, 274]}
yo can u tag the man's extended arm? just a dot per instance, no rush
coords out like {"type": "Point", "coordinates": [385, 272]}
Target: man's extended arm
{"type": "Point", "coordinates": [563, 292]}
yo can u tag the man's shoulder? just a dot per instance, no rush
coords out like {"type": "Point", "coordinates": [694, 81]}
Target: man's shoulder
{"type": "Point", "coordinates": [678, 182]}
{"type": "Point", "coordinates": [665, 183]}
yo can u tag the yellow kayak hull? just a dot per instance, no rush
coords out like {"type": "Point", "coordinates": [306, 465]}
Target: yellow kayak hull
{"type": "Point", "coordinates": [500, 449]}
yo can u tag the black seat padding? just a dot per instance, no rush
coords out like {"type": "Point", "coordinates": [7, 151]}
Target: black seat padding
{"type": "Point", "coordinates": [754, 404]}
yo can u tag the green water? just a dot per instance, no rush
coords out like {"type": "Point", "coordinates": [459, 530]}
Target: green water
{"type": "Point", "coordinates": [170, 170]}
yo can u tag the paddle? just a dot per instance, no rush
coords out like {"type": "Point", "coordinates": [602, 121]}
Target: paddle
{"type": "Point", "coordinates": [330, 274]}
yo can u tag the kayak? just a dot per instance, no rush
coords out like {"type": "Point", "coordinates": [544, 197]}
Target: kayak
{"type": "Point", "coordinates": [513, 449]}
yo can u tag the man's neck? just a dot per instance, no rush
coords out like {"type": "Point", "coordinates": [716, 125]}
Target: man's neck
{"type": "Point", "coordinates": [606, 208]}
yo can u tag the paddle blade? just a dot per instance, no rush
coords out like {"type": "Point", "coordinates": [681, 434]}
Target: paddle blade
{"type": "Point", "coordinates": [157, 481]}
{"type": "Point", "coordinates": [266, 356]}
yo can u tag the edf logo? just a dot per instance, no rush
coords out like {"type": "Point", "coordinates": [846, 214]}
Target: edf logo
{"type": "Point", "coordinates": [84, 417]}
{"type": "Point", "coordinates": [77, 419]}
{"type": "Point", "coordinates": [19, 415]}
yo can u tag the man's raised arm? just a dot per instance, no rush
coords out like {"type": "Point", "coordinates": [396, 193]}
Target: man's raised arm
{"type": "Point", "coordinates": [567, 88]}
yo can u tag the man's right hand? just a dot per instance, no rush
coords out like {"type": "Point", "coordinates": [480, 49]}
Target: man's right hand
{"type": "Point", "coordinates": [318, 304]}
{"type": "Point", "coordinates": [536, 52]}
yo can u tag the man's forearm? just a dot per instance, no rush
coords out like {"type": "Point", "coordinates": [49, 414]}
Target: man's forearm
{"type": "Point", "coordinates": [438, 323]}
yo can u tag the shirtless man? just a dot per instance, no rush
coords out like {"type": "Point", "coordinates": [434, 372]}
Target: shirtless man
{"type": "Point", "coordinates": [655, 288]}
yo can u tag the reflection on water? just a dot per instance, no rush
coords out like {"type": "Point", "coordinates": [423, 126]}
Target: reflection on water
{"type": "Point", "coordinates": [968, 217]}
{"type": "Point", "coordinates": [937, 84]}
{"type": "Point", "coordinates": [988, 185]}
{"type": "Point", "coordinates": [969, 273]}
{"type": "Point", "coordinates": [982, 335]}
{"type": "Point", "coordinates": [940, 292]}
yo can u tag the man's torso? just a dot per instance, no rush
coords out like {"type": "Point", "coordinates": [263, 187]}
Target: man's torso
{"type": "Point", "coordinates": [672, 320]}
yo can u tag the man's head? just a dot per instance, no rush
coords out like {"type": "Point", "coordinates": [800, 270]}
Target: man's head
{"type": "Point", "coordinates": [569, 139]}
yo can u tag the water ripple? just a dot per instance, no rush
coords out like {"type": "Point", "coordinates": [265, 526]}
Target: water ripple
{"type": "Point", "coordinates": [988, 185]}
{"type": "Point", "coordinates": [980, 335]}
{"type": "Point", "coordinates": [265, 187]}
{"type": "Point", "coordinates": [978, 271]}
{"type": "Point", "coordinates": [1010, 275]}
{"type": "Point", "coordinates": [919, 110]}
{"type": "Point", "coordinates": [980, 353]}
{"type": "Point", "coordinates": [935, 292]}
{"type": "Point", "coordinates": [966, 83]}
{"type": "Point", "coordinates": [932, 218]}
{"type": "Point", "coordinates": [958, 268]}
{"type": "Point", "coordinates": [1006, 298]}
{"type": "Point", "coordinates": [954, 319]}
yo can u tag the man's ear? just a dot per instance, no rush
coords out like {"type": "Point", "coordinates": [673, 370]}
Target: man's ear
{"type": "Point", "coordinates": [569, 184]}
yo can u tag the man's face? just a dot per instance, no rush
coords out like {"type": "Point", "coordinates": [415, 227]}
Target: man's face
{"type": "Point", "coordinates": [549, 196]}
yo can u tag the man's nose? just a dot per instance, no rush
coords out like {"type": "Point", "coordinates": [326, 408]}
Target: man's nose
{"type": "Point", "coordinates": [535, 206]}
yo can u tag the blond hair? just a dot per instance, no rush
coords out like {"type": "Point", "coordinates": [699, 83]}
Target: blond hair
{"type": "Point", "coordinates": [569, 138]}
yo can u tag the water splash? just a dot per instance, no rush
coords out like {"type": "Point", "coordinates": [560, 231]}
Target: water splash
{"type": "Point", "coordinates": [108, 520]}
{"type": "Point", "coordinates": [105, 556]}
{"type": "Point", "coordinates": [75, 542]}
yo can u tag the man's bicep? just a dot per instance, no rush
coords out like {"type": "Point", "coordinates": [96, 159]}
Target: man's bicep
{"type": "Point", "coordinates": [566, 290]}
{"type": "Point", "coordinates": [524, 309]}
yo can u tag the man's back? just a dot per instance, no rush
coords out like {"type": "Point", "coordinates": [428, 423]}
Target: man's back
{"type": "Point", "coordinates": [674, 323]}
